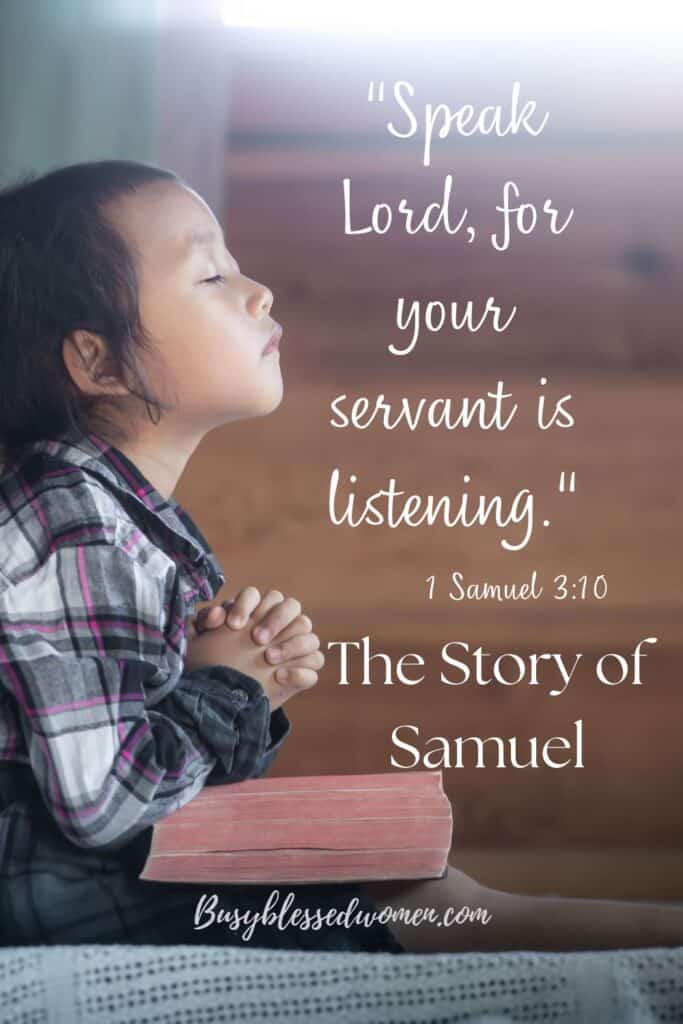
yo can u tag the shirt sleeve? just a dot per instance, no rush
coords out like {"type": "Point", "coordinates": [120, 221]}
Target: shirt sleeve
{"type": "Point", "coordinates": [80, 640]}
{"type": "Point", "coordinates": [207, 698]}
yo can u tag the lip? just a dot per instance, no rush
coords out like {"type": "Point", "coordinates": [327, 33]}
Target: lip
{"type": "Point", "coordinates": [274, 341]}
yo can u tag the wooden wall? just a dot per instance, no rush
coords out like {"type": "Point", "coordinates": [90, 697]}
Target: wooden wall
{"type": "Point", "coordinates": [598, 314]}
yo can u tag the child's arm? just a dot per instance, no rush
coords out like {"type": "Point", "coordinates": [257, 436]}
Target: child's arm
{"type": "Point", "coordinates": [212, 696]}
{"type": "Point", "coordinates": [286, 626]}
{"type": "Point", "coordinates": [83, 653]}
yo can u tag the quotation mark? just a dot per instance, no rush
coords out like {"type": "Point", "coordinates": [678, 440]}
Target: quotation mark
{"type": "Point", "coordinates": [567, 485]}
{"type": "Point", "coordinates": [380, 92]}
{"type": "Point", "coordinates": [563, 482]}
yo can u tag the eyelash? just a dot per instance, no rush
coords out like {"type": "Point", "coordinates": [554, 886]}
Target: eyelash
{"type": "Point", "coordinates": [211, 280]}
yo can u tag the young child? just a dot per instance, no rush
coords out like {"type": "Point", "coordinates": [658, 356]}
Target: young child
{"type": "Point", "coordinates": [117, 292]}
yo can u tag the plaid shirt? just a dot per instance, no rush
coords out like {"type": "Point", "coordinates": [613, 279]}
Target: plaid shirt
{"type": "Point", "coordinates": [102, 732]}
{"type": "Point", "coordinates": [100, 726]}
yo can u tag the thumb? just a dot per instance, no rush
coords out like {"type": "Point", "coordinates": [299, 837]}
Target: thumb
{"type": "Point", "coordinates": [209, 618]}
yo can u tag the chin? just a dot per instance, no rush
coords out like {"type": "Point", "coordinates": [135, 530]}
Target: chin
{"type": "Point", "coordinates": [270, 402]}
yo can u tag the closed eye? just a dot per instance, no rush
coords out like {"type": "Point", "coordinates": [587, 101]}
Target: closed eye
{"type": "Point", "coordinates": [212, 280]}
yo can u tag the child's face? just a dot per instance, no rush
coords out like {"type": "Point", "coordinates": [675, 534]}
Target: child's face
{"type": "Point", "coordinates": [210, 335]}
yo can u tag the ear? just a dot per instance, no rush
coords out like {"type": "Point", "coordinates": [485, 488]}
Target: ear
{"type": "Point", "coordinates": [85, 356]}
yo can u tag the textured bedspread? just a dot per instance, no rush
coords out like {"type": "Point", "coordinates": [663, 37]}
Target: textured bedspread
{"type": "Point", "coordinates": [209, 984]}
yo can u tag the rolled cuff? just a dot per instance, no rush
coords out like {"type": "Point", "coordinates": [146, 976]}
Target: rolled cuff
{"type": "Point", "coordinates": [235, 722]}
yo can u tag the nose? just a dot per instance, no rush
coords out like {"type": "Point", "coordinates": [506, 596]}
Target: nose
{"type": "Point", "coordinates": [260, 301]}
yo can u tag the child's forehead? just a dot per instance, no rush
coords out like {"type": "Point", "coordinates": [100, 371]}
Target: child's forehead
{"type": "Point", "coordinates": [166, 221]}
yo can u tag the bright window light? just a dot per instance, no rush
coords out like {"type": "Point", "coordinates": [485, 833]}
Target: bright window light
{"type": "Point", "coordinates": [448, 17]}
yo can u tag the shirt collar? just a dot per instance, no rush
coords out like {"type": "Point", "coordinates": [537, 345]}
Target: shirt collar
{"type": "Point", "coordinates": [165, 519]}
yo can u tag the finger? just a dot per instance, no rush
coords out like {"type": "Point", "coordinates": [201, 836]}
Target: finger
{"type": "Point", "coordinates": [297, 678]}
{"type": "Point", "coordinates": [242, 607]}
{"type": "Point", "coordinates": [301, 624]}
{"type": "Point", "coordinates": [304, 643]}
{"type": "Point", "coordinates": [209, 617]}
{"type": "Point", "coordinates": [314, 661]}
{"type": "Point", "coordinates": [279, 616]}
{"type": "Point", "coordinates": [195, 625]}
{"type": "Point", "coordinates": [213, 616]}
{"type": "Point", "coordinates": [269, 600]}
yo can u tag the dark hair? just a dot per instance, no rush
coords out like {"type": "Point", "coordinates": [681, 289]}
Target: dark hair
{"type": "Point", "coordinates": [63, 267]}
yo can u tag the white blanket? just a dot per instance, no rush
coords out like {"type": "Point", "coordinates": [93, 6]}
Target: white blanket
{"type": "Point", "coordinates": [210, 984]}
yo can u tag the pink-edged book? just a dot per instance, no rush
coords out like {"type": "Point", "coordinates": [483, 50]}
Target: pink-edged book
{"type": "Point", "coordinates": [307, 828]}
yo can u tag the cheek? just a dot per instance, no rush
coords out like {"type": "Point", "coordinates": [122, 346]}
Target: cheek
{"type": "Point", "coordinates": [164, 315]}
{"type": "Point", "coordinates": [201, 332]}
{"type": "Point", "coordinates": [223, 332]}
